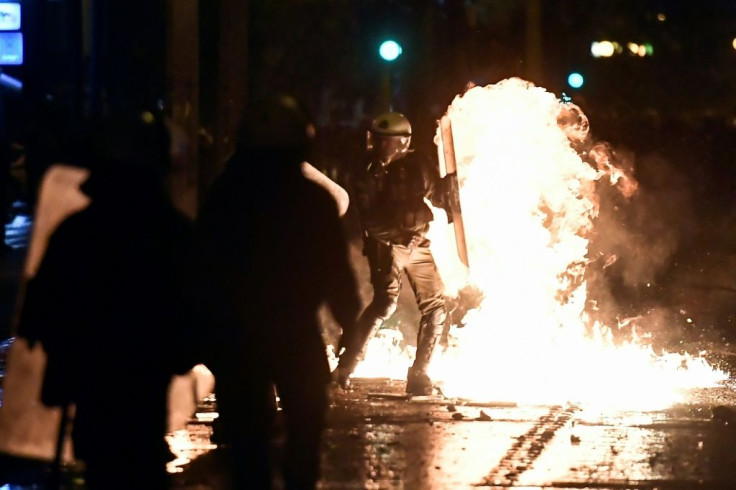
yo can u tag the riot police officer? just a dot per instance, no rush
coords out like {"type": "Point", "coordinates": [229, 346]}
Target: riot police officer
{"type": "Point", "coordinates": [390, 192]}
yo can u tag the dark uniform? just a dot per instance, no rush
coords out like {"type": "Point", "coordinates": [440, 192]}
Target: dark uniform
{"type": "Point", "coordinates": [395, 219]}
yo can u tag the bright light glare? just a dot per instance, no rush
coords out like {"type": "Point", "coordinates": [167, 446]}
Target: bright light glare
{"type": "Point", "coordinates": [10, 83]}
{"type": "Point", "coordinates": [641, 50]}
{"type": "Point", "coordinates": [575, 80]}
{"type": "Point", "coordinates": [9, 18]}
{"type": "Point", "coordinates": [733, 43]}
{"type": "Point", "coordinates": [602, 49]}
{"type": "Point", "coordinates": [529, 204]}
{"type": "Point", "coordinates": [389, 50]}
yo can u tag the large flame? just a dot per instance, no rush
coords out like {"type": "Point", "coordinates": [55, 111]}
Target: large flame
{"type": "Point", "coordinates": [529, 204]}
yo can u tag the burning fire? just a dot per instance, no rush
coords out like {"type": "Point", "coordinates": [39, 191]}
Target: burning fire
{"type": "Point", "coordinates": [529, 204]}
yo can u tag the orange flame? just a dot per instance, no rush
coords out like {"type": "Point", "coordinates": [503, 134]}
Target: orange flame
{"type": "Point", "coordinates": [529, 203]}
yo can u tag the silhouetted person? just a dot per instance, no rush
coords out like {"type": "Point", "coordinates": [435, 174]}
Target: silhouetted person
{"type": "Point", "coordinates": [280, 252]}
{"type": "Point", "coordinates": [113, 306]}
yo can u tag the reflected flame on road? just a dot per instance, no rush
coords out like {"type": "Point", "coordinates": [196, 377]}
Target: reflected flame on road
{"type": "Point", "coordinates": [529, 204]}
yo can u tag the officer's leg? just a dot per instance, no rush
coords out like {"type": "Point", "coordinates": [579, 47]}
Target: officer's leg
{"type": "Point", "coordinates": [386, 263]}
{"type": "Point", "coordinates": [428, 288]}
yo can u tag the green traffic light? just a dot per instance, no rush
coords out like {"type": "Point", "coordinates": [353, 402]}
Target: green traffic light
{"type": "Point", "coordinates": [389, 50]}
{"type": "Point", "coordinates": [575, 80]}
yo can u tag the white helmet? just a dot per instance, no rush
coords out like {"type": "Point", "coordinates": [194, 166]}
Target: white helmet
{"type": "Point", "coordinates": [389, 137]}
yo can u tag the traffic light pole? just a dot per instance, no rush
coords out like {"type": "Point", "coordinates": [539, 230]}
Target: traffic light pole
{"type": "Point", "coordinates": [386, 97]}
{"type": "Point", "coordinates": [389, 51]}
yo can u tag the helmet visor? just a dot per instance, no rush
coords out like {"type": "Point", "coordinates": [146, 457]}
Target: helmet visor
{"type": "Point", "coordinates": [388, 148]}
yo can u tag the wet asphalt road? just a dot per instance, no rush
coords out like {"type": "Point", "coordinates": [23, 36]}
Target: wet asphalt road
{"type": "Point", "coordinates": [378, 439]}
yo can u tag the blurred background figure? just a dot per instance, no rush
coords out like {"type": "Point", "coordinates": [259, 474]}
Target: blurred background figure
{"type": "Point", "coordinates": [112, 304]}
{"type": "Point", "coordinates": [279, 250]}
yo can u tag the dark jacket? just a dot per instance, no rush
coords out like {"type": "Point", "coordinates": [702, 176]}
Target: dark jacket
{"type": "Point", "coordinates": [279, 250]}
{"type": "Point", "coordinates": [390, 199]}
{"type": "Point", "coordinates": [113, 305]}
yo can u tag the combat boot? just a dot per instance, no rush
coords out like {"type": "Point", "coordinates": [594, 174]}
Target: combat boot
{"type": "Point", "coordinates": [417, 380]}
{"type": "Point", "coordinates": [418, 383]}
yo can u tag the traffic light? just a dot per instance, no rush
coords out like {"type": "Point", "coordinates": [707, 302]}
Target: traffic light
{"type": "Point", "coordinates": [389, 50]}
{"type": "Point", "coordinates": [575, 80]}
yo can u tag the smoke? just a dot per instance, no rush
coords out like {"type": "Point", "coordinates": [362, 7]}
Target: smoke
{"type": "Point", "coordinates": [645, 230]}
{"type": "Point", "coordinates": [644, 215]}
{"type": "Point", "coordinates": [639, 211]}
{"type": "Point", "coordinates": [535, 189]}
{"type": "Point", "coordinates": [635, 239]}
